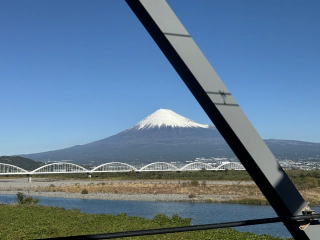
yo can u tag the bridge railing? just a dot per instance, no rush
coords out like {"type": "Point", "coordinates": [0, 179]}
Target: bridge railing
{"type": "Point", "coordinates": [8, 169]}
{"type": "Point", "coordinates": [114, 167]}
{"type": "Point", "coordinates": [230, 165]}
{"type": "Point", "coordinates": [64, 167]}
{"type": "Point", "coordinates": [61, 167]}
{"type": "Point", "coordinates": [158, 166]}
{"type": "Point", "coordinates": [196, 166]}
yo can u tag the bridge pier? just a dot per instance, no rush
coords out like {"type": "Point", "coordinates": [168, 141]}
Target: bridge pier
{"type": "Point", "coordinates": [89, 175]}
{"type": "Point", "coordinates": [29, 178]}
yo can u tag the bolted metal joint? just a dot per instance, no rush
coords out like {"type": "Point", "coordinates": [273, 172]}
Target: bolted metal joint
{"type": "Point", "coordinates": [306, 223]}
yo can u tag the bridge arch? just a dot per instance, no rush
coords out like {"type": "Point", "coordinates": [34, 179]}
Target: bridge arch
{"type": "Point", "coordinates": [230, 165]}
{"type": "Point", "coordinates": [9, 169]}
{"type": "Point", "coordinates": [60, 167]}
{"type": "Point", "coordinates": [159, 166]}
{"type": "Point", "coordinates": [114, 167]}
{"type": "Point", "coordinates": [196, 166]}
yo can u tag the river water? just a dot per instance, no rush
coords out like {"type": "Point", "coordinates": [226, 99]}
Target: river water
{"type": "Point", "coordinates": [201, 213]}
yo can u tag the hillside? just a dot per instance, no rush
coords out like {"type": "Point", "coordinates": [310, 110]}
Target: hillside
{"type": "Point", "coordinates": [25, 163]}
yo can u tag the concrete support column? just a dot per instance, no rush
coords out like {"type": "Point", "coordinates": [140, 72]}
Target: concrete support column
{"type": "Point", "coordinates": [29, 178]}
{"type": "Point", "coordinates": [89, 175]}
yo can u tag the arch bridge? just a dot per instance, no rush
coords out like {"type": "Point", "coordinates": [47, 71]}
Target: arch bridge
{"type": "Point", "coordinates": [7, 169]}
{"type": "Point", "coordinates": [65, 167]}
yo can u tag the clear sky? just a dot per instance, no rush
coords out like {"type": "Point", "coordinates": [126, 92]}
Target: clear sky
{"type": "Point", "coordinates": [72, 72]}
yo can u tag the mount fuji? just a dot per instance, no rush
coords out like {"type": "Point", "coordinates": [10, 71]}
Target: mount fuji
{"type": "Point", "coordinates": [165, 136]}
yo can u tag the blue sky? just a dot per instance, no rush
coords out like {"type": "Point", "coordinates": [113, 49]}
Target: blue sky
{"type": "Point", "coordinates": [72, 72]}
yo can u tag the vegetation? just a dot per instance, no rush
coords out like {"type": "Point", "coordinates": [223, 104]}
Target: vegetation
{"type": "Point", "coordinates": [203, 175]}
{"type": "Point", "coordinates": [45, 222]}
{"type": "Point", "coordinates": [34, 222]}
{"type": "Point", "coordinates": [305, 179]}
{"type": "Point", "coordinates": [25, 163]}
{"type": "Point", "coordinates": [23, 199]}
{"type": "Point", "coordinates": [231, 175]}
{"type": "Point", "coordinates": [163, 187]}
{"type": "Point", "coordinates": [190, 183]}
{"type": "Point", "coordinates": [253, 201]}
{"type": "Point", "coordinates": [195, 184]}
{"type": "Point", "coordinates": [84, 191]}
{"type": "Point", "coordinates": [203, 192]}
{"type": "Point", "coordinates": [192, 195]}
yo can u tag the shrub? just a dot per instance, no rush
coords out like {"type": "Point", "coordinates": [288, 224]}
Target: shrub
{"type": "Point", "coordinates": [179, 220]}
{"type": "Point", "coordinates": [192, 195]}
{"type": "Point", "coordinates": [161, 219]}
{"type": "Point", "coordinates": [194, 183]}
{"type": "Point", "coordinates": [23, 199]}
{"type": "Point", "coordinates": [305, 183]}
{"type": "Point", "coordinates": [84, 191]}
{"type": "Point", "coordinates": [310, 182]}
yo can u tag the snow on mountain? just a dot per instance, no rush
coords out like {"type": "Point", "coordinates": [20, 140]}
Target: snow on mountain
{"type": "Point", "coordinates": [167, 118]}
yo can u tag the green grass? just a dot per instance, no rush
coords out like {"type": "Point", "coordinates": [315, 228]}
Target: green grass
{"type": "Point", "coordinates": [34, 222]}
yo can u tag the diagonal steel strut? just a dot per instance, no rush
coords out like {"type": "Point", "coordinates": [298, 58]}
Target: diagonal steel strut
{"type": "Point", "coordinates": [206, 86]}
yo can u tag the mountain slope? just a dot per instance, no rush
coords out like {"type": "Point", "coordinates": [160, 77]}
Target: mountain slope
{"type": "Point", "coordinates": [166, 136]}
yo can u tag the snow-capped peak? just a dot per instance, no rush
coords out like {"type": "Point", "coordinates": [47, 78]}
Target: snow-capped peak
{"type": "Point", "coordinates": [167, 118]}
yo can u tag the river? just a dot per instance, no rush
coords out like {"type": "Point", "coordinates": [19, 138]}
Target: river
{"type": "Point", "coordinates": [201, 213]}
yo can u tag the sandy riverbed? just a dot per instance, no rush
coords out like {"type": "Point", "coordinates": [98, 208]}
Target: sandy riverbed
{"type": "Point", "coordinates": [12, 186]}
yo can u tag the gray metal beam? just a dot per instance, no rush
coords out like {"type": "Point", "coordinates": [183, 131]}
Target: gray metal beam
{"type": "Point", "coordinates": [206, 86]}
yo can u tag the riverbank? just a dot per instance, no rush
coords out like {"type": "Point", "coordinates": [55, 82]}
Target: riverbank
{"type": "Point", "coordinates": [147, 190]}
{"type": "Point", "coordinates": [127, 197]}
